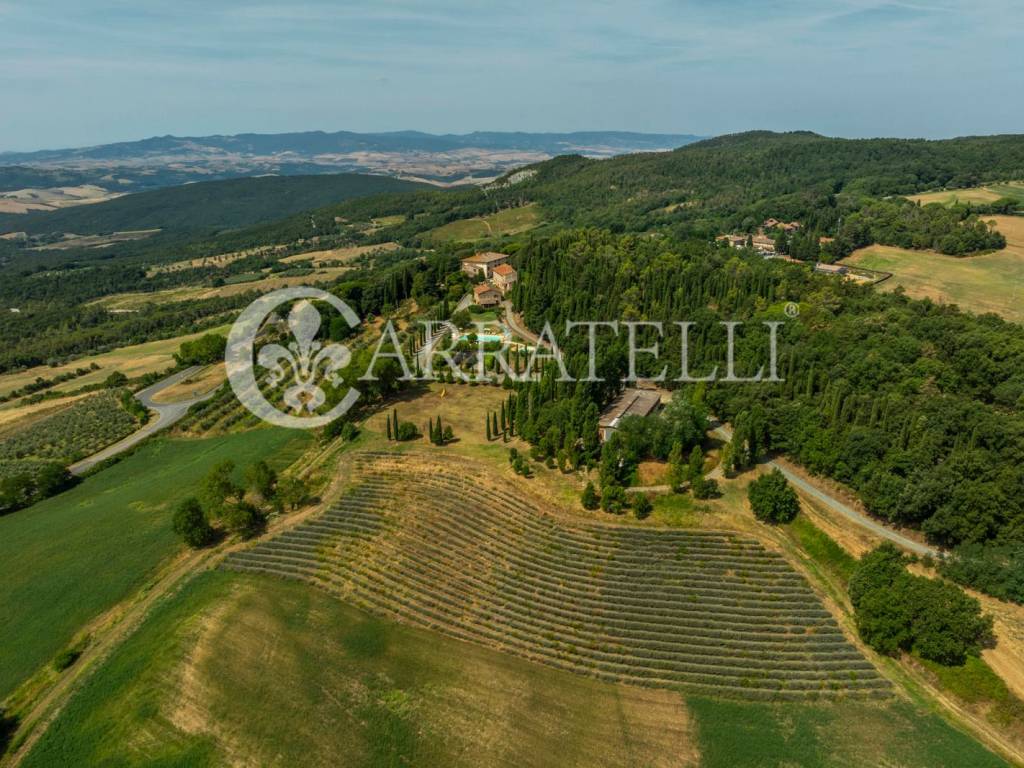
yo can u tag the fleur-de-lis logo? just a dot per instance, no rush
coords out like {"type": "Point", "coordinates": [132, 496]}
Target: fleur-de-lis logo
{"type": "Point", "coordinates": [304, 363]}
{"type": "Point", "coordinates": [305, 357]}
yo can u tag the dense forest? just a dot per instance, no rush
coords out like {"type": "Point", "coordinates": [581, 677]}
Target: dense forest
{"type": "Point", "coordinates": [208, 207]}
{"type": "Point", "coordinates": [915, 406]}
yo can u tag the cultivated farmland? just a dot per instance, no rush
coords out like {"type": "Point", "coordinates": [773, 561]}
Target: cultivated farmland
{"type": "Point", "coordinates": [240, 669]}
{"type": "Point", "coordinates": [132, 361]}
{"type": "Point", "coordinates": [261, 284]}
{"type": "Point", "coordinates": [102, 539]}
{"type": "Point", "coordinates": [510, 221]}
{"type": "Point", "coordinates": [81, 430]}
{"type": "Point", "coordinates": [442, 548]}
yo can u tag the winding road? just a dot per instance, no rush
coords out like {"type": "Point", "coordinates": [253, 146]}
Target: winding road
{"type": "Point", "coordinates": [166, 415]}
{"type": "Point", "coordinates": [851, 514]}
{"type": "Point", "coordinates": [515, 324]}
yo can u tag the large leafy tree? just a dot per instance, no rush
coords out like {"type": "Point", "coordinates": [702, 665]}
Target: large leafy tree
{"type": "Point", "coordinates": [772, 498]}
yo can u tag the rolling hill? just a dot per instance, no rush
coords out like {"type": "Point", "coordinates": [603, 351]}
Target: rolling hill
{"type": "Point", "coordinates": [444, 159]}
{"type": "Point", "coordinates": [210, 206]}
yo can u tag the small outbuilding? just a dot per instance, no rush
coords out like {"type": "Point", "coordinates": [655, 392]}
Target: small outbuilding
{"type": "Point", "coordinates": [632, 402]}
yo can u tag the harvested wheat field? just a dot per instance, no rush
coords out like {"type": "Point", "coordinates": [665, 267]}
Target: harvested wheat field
{"type": "Point", "coordinates": [343, 255]}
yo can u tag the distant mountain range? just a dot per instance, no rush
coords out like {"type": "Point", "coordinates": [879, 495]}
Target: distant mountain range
{"type": "Point", "coordinates": [439, 159]}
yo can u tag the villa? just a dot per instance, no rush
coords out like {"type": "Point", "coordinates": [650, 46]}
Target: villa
{"type": "Point", "coordinates": [483, 263]}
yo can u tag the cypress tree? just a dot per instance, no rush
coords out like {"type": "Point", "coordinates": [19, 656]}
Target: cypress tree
{"type": "Point", "coordinates": [390, 436]}
{"type": "Point", "coordinates": [439, 431]}
{"type": "Point", "coordinates": [488, 420]}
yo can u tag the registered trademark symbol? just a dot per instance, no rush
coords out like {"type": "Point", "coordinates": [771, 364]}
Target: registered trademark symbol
{"type": "Point", "coordinates": [792, 309]}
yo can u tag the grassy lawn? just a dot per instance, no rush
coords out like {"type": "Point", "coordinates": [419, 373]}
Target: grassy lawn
{"type": "Point", "coordinates": [68, 559]}
{"type": "Point", "coordinates": [510, 221]}
{"type": "Point", "coordinates": [992, 282]}
{"type": "Point", "coordinates": [976, 684]}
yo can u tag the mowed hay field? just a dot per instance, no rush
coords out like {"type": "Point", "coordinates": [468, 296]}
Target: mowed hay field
{"type": "Point", "coordinates": [992, 282]}
{"type": "Point", "coordinates": [203, 381]}
{"type": "Point", "coordinates": [510, 221]}
{"type": "Point", "coordinates": [242, 669]}
{"type": "Point", "coordinates": [132, 361]}
{"type": "Point", "coordinates": [69, 558]}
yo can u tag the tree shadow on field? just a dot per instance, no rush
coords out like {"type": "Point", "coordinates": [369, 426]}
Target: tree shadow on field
{"type": "Point", "coordinates": [8, 725]}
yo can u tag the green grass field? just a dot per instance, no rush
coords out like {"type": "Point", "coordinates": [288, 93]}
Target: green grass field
{"type": "Point", "coordinates": [986, 194]}
{"type": "Point", "coordinates": [70, 558]}
{"type": "Point", "coordinates": [739, 735]}
{"type": "Point", "coordinates": [254, 670]}
{"type": "Point", "coordinates": [510, 221]}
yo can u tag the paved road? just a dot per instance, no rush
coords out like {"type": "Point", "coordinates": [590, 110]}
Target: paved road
{"type": "Point", "coordinates": [515, 323]}
{"type": "Point", "coordinates": [166, 415]}
{"type": "Point", "coordinates": [851, 514]}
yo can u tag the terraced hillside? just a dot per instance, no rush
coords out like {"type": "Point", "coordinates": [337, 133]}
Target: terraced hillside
{"type": "Point", "coordinates": [434, 545]}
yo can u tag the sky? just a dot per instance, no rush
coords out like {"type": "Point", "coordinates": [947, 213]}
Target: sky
{"type": "Point", "coordinates": [84, 72]}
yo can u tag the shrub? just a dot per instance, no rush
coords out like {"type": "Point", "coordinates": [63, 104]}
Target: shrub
{"type": "Point", "coordinates": [642, 506]}
{"type": "Point", "coordinates": [613, 499]}
{"type": "Point", "coordinates": [407, 431]}
{"type": "Point", "coordinates": [8, 725]}
{"type": "Point", "coordinates": [771, 498]}
{"type": "Point", "coordinates": [344, 429]}
{"type": "Point", "coordinates": [590, 499]}
{"type": "Point", "coordinates": [705, 489]}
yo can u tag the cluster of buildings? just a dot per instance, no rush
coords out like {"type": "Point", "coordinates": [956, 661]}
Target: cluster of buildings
{"type": "Point", "coordinates": [765, 245]}
{"type": "Point", "coordinates": [761, 242]}
{"type": "Point", "coordinates": [499, 276]}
